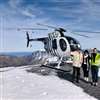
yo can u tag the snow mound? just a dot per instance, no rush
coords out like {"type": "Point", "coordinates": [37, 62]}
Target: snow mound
{"type": "Point", "coordinates": [17, 84]}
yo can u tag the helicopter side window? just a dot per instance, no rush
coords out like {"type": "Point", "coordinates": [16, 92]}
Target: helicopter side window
{"type": "Point", "coordinates": [71, 42]}
{"type": "Point", "coordinates": [54, 44]}
{"type": "Point", "coordinates": [63, 44]}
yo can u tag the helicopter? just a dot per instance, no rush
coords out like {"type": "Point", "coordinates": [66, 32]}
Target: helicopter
{"type": "Point", "coordinates": [57, 43]}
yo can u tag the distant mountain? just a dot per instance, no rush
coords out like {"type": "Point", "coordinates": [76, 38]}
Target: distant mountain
{"type": "Point", "coordinates": [18, 54]}
{"type": "Point", "coordinates": [6, 61]}
{"type": "Point", "coordinates": [22, 58]}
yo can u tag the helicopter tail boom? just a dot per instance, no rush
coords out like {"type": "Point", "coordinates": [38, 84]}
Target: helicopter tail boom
{"type": "Point", "coordinates": [36, 39]}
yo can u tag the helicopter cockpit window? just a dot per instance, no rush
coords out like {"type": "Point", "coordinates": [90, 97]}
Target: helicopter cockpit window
{"type": "Point", "coordinates": [74, 44]}
{"type": "Point", "coordinates": [54, 44]}
{"type": "Point", "coordinates": [63, 44]}
{"type": "Point", "coordinates": [71, 42]}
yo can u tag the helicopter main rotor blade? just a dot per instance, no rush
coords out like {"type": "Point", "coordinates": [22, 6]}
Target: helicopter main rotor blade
{"type": "Point", "coordinates": [31, 29]}
{"type": "Point", "coordinates": [56, 29]}
{"type": "Point", "coordinates": [76, 33]}
{"type": "Point", "coordinates": [19, 29]}
{"type": "Point", "coordinates": [86, 36]}
{"type": "Point", "coordinates": [47, 25]}
{"type": "Point", "coordinates": [93, 32]}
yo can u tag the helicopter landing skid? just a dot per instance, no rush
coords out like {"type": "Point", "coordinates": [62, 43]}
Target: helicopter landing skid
{"type": "Point", "coordinates": [51, 67]}
{"type": "Point", "coordinates": [58, 66]}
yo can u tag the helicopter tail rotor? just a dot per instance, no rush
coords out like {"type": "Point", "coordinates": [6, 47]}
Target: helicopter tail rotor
{"type": "Point", "coordinates": [28, 39]}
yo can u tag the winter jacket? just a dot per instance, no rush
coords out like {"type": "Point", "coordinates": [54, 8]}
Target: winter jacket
{"type": "Point", "coordinates": [95, 61]}
{"type": "Point", "coordinates": [77, 58]}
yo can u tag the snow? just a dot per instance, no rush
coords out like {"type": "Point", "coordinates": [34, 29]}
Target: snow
{"type": "Point", "coordinates": [17, 84]}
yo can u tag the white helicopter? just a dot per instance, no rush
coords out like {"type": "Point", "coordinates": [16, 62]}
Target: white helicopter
{"type": "Point", "coordinates": [57, 44]}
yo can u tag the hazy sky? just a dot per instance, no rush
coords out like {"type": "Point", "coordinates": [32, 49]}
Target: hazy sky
{"type": "Point", "coordinates": [69, 14]}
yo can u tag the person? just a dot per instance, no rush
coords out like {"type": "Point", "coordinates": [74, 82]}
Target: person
{"type": "Point", "coordinates": [77, 63]}
{"type": "Point", "coordinates": [86, 65]}
{"type": "Point", "coordinates": [95, 63]}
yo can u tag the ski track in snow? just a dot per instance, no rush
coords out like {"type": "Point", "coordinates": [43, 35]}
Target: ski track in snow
{"type": "Point", "coordinates": [17, 84]}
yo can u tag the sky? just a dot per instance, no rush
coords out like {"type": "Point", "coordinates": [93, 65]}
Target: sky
{"type": "Point", "coordinates": [72, 15]}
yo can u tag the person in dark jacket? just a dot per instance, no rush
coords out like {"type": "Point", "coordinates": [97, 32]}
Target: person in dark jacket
{"type": "Point", "coordinates": [86, 65]}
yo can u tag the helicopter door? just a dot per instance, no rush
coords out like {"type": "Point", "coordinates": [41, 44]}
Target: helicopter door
{"type": "Point", "coordinates": [63, 46]}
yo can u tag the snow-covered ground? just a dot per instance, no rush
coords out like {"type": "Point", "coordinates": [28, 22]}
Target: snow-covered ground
{"type": "Point", "coordinates": [17, 84]}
